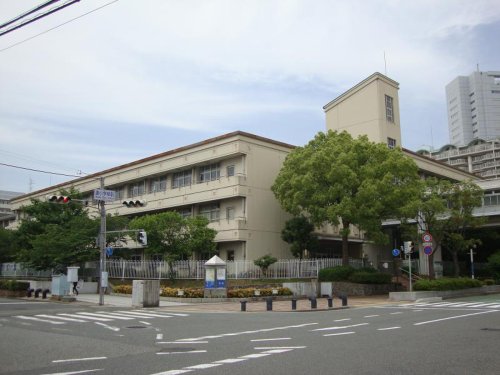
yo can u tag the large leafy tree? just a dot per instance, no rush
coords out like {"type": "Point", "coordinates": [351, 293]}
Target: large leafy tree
{"type": "Point", "coordinates": [176, 237]}
{"type": "Point", "coordinates": [345, 181]}
{"type": "Point", "coordinates": [54, 236]}
{"type": "Point", "coordinates": [7, 245]}
{"type": "Point", "coordinates": [298, 232]}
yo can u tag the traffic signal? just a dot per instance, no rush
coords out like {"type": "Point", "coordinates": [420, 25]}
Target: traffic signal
{"type": "Point", "coordinates": [142, 237]}
{"type": "Point", "coordinates": [408, 247]}
{"type": "Point", "coordinates": [58, 199]}
{"type": "Point", "coordinates": [134, 203]}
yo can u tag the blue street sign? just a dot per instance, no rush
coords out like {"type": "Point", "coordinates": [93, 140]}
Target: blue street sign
{"type": "Point", "coordinates": [396, 252]}
{"type": "Point", "coordinates": [109, 251]}
{"type": "Point", "coordinates": [428, 250]}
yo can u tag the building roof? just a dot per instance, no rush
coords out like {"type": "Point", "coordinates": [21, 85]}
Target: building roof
{"type": "Point", "coordinates": [360, 86]}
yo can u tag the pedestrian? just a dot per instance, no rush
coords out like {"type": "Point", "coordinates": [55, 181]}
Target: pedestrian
{"type": "Point", "coordinates": [75, 290]}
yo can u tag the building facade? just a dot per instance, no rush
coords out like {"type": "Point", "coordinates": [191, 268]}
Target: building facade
{"type": "Point", "coordinates": [474, 107]}
{"type": "Point", "coordinates": [7, 216]}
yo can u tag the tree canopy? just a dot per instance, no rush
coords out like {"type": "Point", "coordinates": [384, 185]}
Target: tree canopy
{"type": "Point", "coordinates": [345, 181]}
{"type": "Point", "coordinates": [298, 232]}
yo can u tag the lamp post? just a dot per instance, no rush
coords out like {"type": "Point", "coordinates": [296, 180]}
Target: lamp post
{"type": "Point", "coordinates": [102, 245]}
{"type": "Point", "coordinates": [472, 261]}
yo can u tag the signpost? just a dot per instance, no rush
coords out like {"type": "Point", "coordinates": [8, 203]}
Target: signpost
{"type": "Point", "coordinates": [104, 195]}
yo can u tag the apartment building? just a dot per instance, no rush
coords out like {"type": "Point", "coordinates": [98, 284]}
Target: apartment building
{"type": "Point", "coordinates": [7, 216]}
{"type": "Point", "coordinates": [474, 107]}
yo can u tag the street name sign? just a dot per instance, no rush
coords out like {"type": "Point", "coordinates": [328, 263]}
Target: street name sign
{"type": "Point", "coordinates": [104, 195]}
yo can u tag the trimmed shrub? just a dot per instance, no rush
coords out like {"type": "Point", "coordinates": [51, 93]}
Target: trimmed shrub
{"type": "Point", "coordinates": [339, 273]}
{"type": "Point", "coordinates": [494, 265]}
{"type": "Point", "coordinates": [14, 285]}
{"type": "Point", "coordinates": [122, 289]}
{"type": "Point", "coordinates": [364, 277]}
{"type": "Point", "coordinates": [447, 284]}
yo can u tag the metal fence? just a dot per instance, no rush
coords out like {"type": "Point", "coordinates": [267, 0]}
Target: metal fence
{"type": "Point", "coordinates": [191, 269]}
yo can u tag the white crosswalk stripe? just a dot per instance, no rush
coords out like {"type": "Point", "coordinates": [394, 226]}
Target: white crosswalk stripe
{"type": "Point", "coordinates": [98, 316]}
{"type": "Point", "coordinates": [453, 305]}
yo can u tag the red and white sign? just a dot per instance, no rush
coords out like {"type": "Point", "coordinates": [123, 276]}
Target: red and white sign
{"type": "Point", "coordinates": [426, 237]}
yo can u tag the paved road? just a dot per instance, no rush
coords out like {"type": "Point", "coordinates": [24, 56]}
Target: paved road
{"type": "Point", "coordinates": [448, 337]}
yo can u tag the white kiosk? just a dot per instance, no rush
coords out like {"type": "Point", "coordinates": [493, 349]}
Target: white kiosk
{"type": "Point", "coordinates": [215, 278]}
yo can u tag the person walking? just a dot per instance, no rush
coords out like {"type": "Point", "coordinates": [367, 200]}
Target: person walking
{"type": "Point", "coordinates": [75, 290]}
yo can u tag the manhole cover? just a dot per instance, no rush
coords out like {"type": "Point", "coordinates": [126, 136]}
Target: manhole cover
{"type": "Point", "coordinates": [490, 329]}
{"type": "Point", "coordinates": [136, 327]}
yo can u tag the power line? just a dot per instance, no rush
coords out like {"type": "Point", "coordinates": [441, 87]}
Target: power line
{"type": "Point", "coordinates": [36, 9]}
{"type": "Point", "coordinates": [38, 170]}
{"type": "Point", "coordinates": [56, 27]}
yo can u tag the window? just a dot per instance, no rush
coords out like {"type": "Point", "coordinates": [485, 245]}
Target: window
{"type": "Point", "coordinates": [389, 109]}
{"type": "Point", "coordinates": [158, 184]}
{"type": "Point", "coordinates": [391, 142]}
{"type": "Point", "coordinates": [210, 211]}
{"type": "Point", "coordinates": [185, 213]}
{"type": "Point", "coordinates": [209, 173]}
{"type": "Point", "coordinates": [230, 255]}
{"type": "Point", "coordinates": [230, 213]}
{"type": "Point", "coordinates": [181, 179]}
{"type": "Point", "coordinates": [136, 189]}
{"type": "Point", "coordinates": [230, 170]}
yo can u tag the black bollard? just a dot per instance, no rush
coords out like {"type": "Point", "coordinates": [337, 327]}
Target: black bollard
{"type": "Point", "coordinates": [29, 292]}
{"type": "Point", "coordinates": [44, 293]}
{"type": "Point", "coordinates": [330, 302]}
{"type": "Point", "coordinates": [269, 303]}
{"type": "Point", "coordinates": [37, 292]}
{"type": "Point", "coordinates": [344, 300]}
{"type": "Point", "coordinates": [314, 303]}
{"type": "Point", "coordinates": [294, 304]}
{"type": "Point", "coordinates": [243, 305]}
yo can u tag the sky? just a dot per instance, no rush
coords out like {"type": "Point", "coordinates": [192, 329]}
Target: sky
{"type": "Point", "coordinates": [105, 82]}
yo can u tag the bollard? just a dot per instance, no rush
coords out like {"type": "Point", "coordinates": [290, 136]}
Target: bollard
{"type": "Point", "coordinates": [330, 302]}
{"type": "Point", "coordinates": [294, 304]}
{"type": "Point", "coordinates": [269, 303]}
{"type": "Point", "coordinates": [29, 292]}
{"type": "Point", "coordinates": [243, 305]}
{"type": "Point", "coordinates": [37, 292]}
{"type": "Point", "coordinates": [44, 293]}
{"type": "Point", "coordinates": [313, 302]}
{"type": "Point", "coordinates": [343, 297]}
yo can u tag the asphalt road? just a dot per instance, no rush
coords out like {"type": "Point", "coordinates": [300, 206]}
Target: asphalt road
{"type": "Point", "coordinates": [452, 337]}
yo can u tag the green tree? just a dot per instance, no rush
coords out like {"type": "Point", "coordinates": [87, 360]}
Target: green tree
{"type": "Point", "coordinates": [264, 262]}
{"type": "Point", "coordinates": [298, 232]}
{"type": "Point", "coordinates": [200, 238]}
{"type": "Point", "coordinates": [7, 246]}
{"type": "Point", "coordinates": [345, 181]}
{"type": "Point", "coordinates": [54, 236]}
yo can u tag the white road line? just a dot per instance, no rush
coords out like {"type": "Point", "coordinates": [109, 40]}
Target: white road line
{"type": "Point", "coordinates": [165, 313]}
{"type": "Point", "coordinates": [182, 342]}
{"type": "Point", "coordinates": [115, 329]}
{"type": "Point", "coordinates": [37, 319]}
{"type": "Point", "coordinates": [231, 360]}
{"type": "Point", "coordinates": [145, 323]}
{"type": "Point", "coordinates": [278, 347]}
{"type": "Point", "coordinates": [495, 306]}
{"type": "Point", "coordinates": [20, 303]}
{"type": "Point", "coordinates": [277, 351]}
{"type": "Point", "coordinates": [78, 359]}
{"type": "Point", "coordinates": [481, 305]}
{"type": "Point", "coordinates": [395, 313]}
{"type": "Point", "coordinates": [370, 316]}
{"type": "Point", "coordinates": [387, 329]}
{"type": "Point", "coordinates": [342, 320]}
{"type": "Point", "coordinates": [114, 314]}
{"type": "Point", "coordinates": [85, 317]}
{"type": "Point", "coordinates": [203, 366]}
{"type": "Point", "coordinates": [63, 318]}
{"type": "Point", "coordinates": [143, 314]}
{"type": "Point", "coordinates": [340, 327]}
{"type": "Point", "coordinates": [339, 334]}
{"type": "Point", "coordinates": [274, 339]}
{"type": "Point", "coordinates": [159, 336]}
{"type": "Point", "coordinates": [453, 317]}
{"type": "Point", "coordinates": [255, 355]}
{"type": "Point", "coordinates": [189, 352]}
{"type": "Point", "coordinates": [106, 316]}
{"type": "Point", "coordinates": [75, 372]}
{"type": "Point", "coordinates": [173, 372]}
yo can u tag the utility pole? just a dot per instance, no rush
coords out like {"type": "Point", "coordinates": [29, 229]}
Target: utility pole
{"type": "Point", "coordinates": [103, 275]}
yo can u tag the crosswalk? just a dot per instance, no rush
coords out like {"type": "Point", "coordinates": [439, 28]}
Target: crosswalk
{"type": "Point", "coordinates": [98, 316]}
{"type": "Point", "coordinates": [465, 305]}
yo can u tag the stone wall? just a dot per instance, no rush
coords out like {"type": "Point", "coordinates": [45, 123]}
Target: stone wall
{"type": "Point", "coordinates": [353, 289]}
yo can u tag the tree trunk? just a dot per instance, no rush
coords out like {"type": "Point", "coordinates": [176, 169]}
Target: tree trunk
{"type": "Point", "coordinates": [431, 266]}
{"type": "Point", "coordinates": [456, 266]}
{"type": "Point", "coordinates": [345, 243]}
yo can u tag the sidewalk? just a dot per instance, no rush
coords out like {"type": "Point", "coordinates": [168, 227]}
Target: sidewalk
{"type": "Point", "coordinates": [303, 305]}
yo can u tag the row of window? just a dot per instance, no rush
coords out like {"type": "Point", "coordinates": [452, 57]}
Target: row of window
{"type": "Point", "coordinates": [389, 108]}
{"type": "Point", "coordinates": [179, 179]}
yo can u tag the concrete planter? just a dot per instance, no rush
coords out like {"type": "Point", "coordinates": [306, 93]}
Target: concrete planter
{"type": "Point", "coordinates": [443, 294]}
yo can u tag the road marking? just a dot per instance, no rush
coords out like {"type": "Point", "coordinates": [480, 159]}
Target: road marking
{"type": "Point", "coordinates": [86, 317]}
{"type": "Point", "coordinates": [116, 329]}
{"type": "Point", "coordinates": [340, 327]}
{"type": "Point", "coordinates": [275, 339]}
{"type": "Point", "coordinates": [75, 372]}
{"type": "Point", "coordinates": [454, 317]}
{"type": "Point", "coordinates": [189, 352]}
{"type": "Point", "coordinates": [248, 332]}
{"type": "Point", "coordinates": [339, 334]}
{"type": "Point", "coordinates": [145, 323]}
{"type": "Point", "coordinates": [255, 355]}
{"type": "Point", "coordinates": [173, 372]}
{"type": "Point", "coordinates": [342, 320]}
{"type": "Point", "coordinates": [143, 314]}
{"type": "Point", "coordinates": [37, 319]}
{"type": "Point", "coordinates": [159, 336]}
{"type": "Point", "coordinates": [371, 316]}
{"type": "Point", "coordinates": [62, 318]}
{"type": "Point", "coordinates": [387, 329]}
{"type": "Point", "coordinates": [287, 348]}
{"type": "Point", "coordinates": [231, 360]}
{"type": "Point", "coordinates": [203, 366]}
{"type": "Point", "coordinates": [166, 313]}
{"type": "Point", "coordinates": [395, 313]}
{"type": "Point", "coordinates": [182, 342]}
{"type": "Point", "coordinates": [106, 316]}
{"type": "Point", "coordinates": [78, 359]}
{"type": "Point", "coordinates": [20, 303]}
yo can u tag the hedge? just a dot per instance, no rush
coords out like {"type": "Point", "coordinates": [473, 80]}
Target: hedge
{"type": "Point", "coordinates": [14, 285]}
{"type": "Point", "coordinates": [447, 284]}
{"type": "Point", "coordinates": [348, 273]}
{"type": "Point", "coordinates": [339, 273]}
{"type": "Point", "coordinates": [364, 277]}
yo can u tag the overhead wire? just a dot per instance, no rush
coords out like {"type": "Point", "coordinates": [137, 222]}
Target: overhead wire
{"type": "Point", "coordinates": [56, 27]}
{"type": "Point", "coordinates": [38, 170]}
{"type": "Point", "coordinates": [27, 13]}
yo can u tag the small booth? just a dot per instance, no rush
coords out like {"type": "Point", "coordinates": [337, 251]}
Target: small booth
{"type": "Point", "coordinates": [59, 286]}
{"type": "Point", "coordinates": [72, 277]}
{"type": "Point", "coordinates": [215, 278]}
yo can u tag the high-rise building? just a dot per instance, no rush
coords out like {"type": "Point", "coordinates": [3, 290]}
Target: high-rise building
{"type": "Point", "coordinates": [474, 107]}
